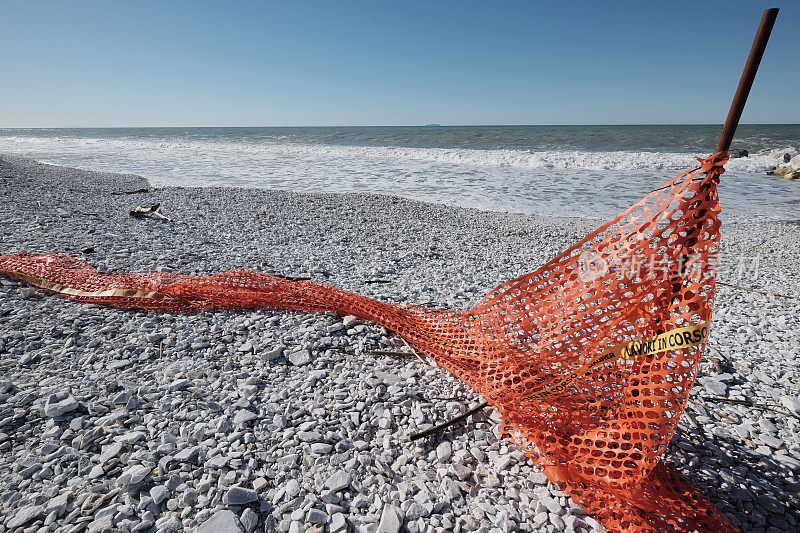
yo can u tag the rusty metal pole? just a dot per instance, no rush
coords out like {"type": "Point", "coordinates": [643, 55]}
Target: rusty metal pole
{"type": "Point", "coordinates": [746, 81]}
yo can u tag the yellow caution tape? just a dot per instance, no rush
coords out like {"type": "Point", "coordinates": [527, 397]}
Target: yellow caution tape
{"type": "Point", "coordinates": [674, 339]}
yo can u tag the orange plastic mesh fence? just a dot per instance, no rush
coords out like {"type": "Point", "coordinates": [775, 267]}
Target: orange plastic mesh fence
{"type": "Point", "coordinates": [589, 359]}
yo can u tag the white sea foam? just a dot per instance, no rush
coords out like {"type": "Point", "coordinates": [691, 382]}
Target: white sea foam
{"type": "Point", "coordinates": [544, 182]}
{"type": "Point", "coordinates": [165, 149]}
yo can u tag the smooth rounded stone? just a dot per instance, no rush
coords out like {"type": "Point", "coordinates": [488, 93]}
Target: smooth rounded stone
{"type": "Point", "coordinates": [338, 481]}
{"type": "Point", "coordinates": [444, 451]}
{"type": "Point", "coordinates": [239, 496]}
{"type": "Point", "coordinates": [59, 404]}
{"type": "Point", "coordinates": [173, 504]}
{"type": "Point", "coordinates": [291, 489]}
{"type": "Point", "coordinates": [224, 521]}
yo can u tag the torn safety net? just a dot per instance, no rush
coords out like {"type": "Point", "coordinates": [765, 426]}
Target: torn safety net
{"type": "Point", "coordinates": [590, 359]}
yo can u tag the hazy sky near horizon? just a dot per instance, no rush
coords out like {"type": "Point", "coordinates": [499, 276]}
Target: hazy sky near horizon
{"type": "Point", "coordinates": [75, 64]}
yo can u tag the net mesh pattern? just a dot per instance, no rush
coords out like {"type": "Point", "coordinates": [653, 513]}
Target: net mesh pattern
{"type": "Point", "coordinates": [587, 358]}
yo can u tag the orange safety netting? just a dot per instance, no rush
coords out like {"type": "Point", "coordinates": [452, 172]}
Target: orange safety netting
{"type": "Point", "coordinates": [589, 359]}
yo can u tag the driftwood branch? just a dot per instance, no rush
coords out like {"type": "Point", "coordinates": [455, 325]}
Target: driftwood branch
{"type": "Point", "coordinates": [423, 360]}
{"type": "Point", "coordinates": [445, 425]}
{"type": "Point", "coordinates": [137, 191]}
{"type": "Point", "coordinates": [765, 293]}
{"type": "Point", "coordinates": [151, 210]}
{"type": "Point", "coordinates": [695, 424]}
{"type": "Point", "coordinates": [391, 353]}
{"type": "Point", "coordinates": [290, 278]}
{"type": "Point", "coordinates": [775, 408]}
{"type": "Point", "coordinates": [719, 414]}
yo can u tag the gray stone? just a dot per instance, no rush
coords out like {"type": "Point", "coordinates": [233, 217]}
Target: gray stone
{"type": "Point", "coordinates": [310, 436]}
{"type": "Point", "coordinates": [321, 448]}
{"type": "Point", "coordinates": [112, 451]}
{"type": "Point", "coordinates": [243, 416]}
{"type": "Point", "coordinates": [552, 505]}
{"type": "Point", "coordinates": [444, 451]}
{"type": "Point", "coordinates": [339, 481]}
{"type": "Point", "coordinates": [717, 388]}
{"type": "Point", "coordinates": [451, 490]}
{"type": "Point", "coordinates": [103, 519]}
{"type": "Point", "coordinates": [59, 503]}
{"type": "Point", "coordinates": [792, 403]}
{"type": "Point", "coordinates": [168, 524]}
{"type": "Point", "coordinates": [239, 496]}
{"type": "Point", "coordinates": [414, 511]}
{"type": "Point", "coordinates": [158, 493]}
{"type": "Point", "coordinates": [292, 488]}
{"type": "Point", "coordinates": [130, 438]}
{"type": "Point", "coordinates": [188, 455]}
{"type": "Point", "coordinates": [59, 404]}
{"type": "Point", "coordinates": [390, 520]}
{"type": "Point", "coordinates": [462, 471]}
{"type": "Point", "coordinates": [224, 521]}
{"type": "Point", "coordinates": [300, 358]}
{"type": "Point", "coordinates": [337, 523]}
{"type": "Point", "coordinates": [179, 384]}
{"type": "Point", "coordinates": [315, 516]}
{"type": "Point", "coordinates": [133, 475]}
{"type": "Point", "coordinates": [249, 520]}
{"type": "Point", "coordinates": [25, 515]}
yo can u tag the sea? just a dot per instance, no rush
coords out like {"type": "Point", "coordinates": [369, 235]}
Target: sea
{"type": "Point", "coordinates": [589, 172]}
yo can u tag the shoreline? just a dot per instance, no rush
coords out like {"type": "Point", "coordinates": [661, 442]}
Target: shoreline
{"type": "Point", "coordinates": [211, 401]}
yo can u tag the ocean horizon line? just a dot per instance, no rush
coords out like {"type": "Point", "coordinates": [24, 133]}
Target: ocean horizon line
{"type": "Point", "coordinates": [432, 125]}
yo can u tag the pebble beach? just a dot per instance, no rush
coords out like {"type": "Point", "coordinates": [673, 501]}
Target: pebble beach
{"type": "Point", "coordinates": [243, 421]}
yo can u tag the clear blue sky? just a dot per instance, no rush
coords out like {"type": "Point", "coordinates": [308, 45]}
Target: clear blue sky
{"type": "Point", "coordinates": [389, 63]}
